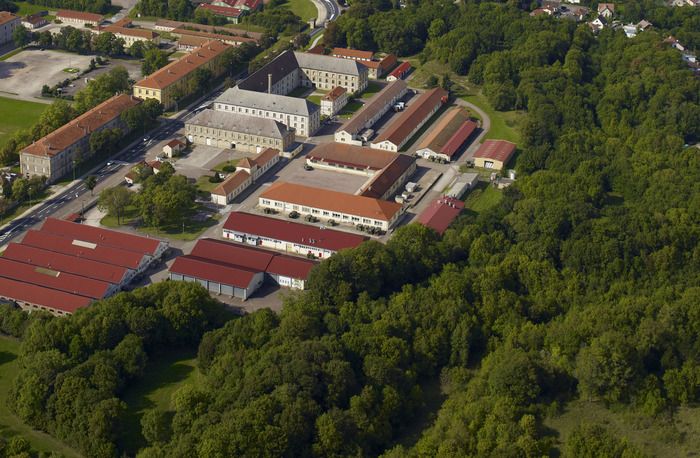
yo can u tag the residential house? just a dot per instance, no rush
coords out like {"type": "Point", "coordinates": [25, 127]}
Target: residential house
{"type": "Point", "coordinates": [607, 10]}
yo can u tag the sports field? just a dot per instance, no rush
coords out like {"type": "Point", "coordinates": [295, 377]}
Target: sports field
{"type": "Point", "coordinates": [17, 114]}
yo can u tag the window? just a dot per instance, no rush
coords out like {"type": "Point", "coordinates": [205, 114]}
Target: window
{"type": "Point", "coordinates": [325, 213]}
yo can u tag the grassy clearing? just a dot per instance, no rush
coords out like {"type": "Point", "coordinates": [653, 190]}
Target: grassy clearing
{"type": "Point", "coordinates": [305, 9]}
{"type": "Point", "coordinates": [315, 99]}
{"type": "Point", "coordinates": [349, 110]}
{"type": "Point", "coordinates": [154, 390]}
{"type": "Point", "coordinates": [220, 167]}
{"type": "Point", "coordinates": [9, 424]}
{"type": "Point", "coordinates": [483, 197]}
{"type": "Point", "coordinates": [130, 215]}
{"type": "Point", "coordinates": [16, 115]}
{"type": "Point", "coordinates": [372, 88]}
{"type": "Point", "coordinates": [26, 8]}
{"type": "Point", "coordinates": [678, 436]}
{"type": "Point", "coordinates": [204, 185]}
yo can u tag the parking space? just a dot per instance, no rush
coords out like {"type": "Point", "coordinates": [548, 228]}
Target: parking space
{"type": "Point", "coordinates": [325, 179]}
{"type": "Point", "coordinates": [25, 73]}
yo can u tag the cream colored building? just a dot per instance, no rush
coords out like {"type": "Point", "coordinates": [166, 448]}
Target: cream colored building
{"type": "Point", "coordinates": [79, 18]}
{"type": "Point", "coordinates": [8, 23]}
{"type": "Point", "coordinates": [334, 101]}
{"type": "Point", "coordinates": [237, 131]}
{"type": "Point", "coordinates": [53, 156]}
{"type": "Point", "coordinates": [248, 171]}
{"type": "Point", "coordinates": [169, 84]}
{"type": "Point", "coordinates": [298, 114]}
{"type": "Point", "coordinates": [131, 35]}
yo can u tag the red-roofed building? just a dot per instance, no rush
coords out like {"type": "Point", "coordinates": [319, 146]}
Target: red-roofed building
{"type": "Point", "coordinates": [287, 236]}
{"type": "Point", "coordinates": [354, 54]}
{"type": "Point", "coordinates": [78, 18]}
{"type": "Point", "coordinates": [494, 154]}
{"type": "Point", "coordinates": [216, 276]}
{"type": "Point", "coordinates": [378, 68]}
{"type": "Point", "coordinates": [399, 72]}
{"type": "Point", "coordinates": [55, 279]}
{"type": "Point", "coordinates": [237, 270]}
{"type": "Point", "coordinates": [37, 298]}
{"type": "Point", "coordinates": [457, 140]}
{"type": "Point", "coordinates": [64, 263]}
{"type": "Point", "coordinates": [72, 247]}
{"type": "Point", "coordinates": [440, 213]}
{"type": "Point", "coordinates": [99, 236]}
{"type": "Point", "coordinates": [231, 14]}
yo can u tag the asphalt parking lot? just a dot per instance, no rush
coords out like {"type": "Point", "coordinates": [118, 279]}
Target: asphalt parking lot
{"type": "Point", "coordinates": [25, 73]}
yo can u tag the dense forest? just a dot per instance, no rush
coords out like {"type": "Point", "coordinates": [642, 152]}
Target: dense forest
{"type": "Point", "coordinates": [582, 284]}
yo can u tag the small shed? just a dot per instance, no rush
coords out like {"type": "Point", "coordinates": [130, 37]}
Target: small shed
{"type": "Point", "coordinates": [173, 148]}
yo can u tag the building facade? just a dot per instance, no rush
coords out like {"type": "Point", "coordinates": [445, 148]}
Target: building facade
{"type": "Point", "coordinates": [55, 155]}
{"type": "Point", "coordinates": [334, 101]}
{"type": "Point", "coordinates": [79, 18]}
{"type": "Point", "coordinates": [298, 114]}
{"type": "Point", "coordinates": [237, 131]}
{"type": "Point", "coordinates": [231, 187]}
{"type": "Point", "coordinates": [170, 83]}
{"type": "Point", "coordinates": [130, 35]}
{"type": "Point", "coordinates": [8, 23]}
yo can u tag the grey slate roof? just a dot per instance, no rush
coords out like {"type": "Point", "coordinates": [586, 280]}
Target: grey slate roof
{"type": "Point", "coordinates": [329, 64]}
{"type": "Point", "coordinates": [279, 67]}
{"type": "Point", "coordinates": [236, 122]}
{"type": "Point", "coordinates": [265, 101]}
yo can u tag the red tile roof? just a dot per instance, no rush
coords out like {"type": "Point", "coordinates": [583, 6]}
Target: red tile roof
{"type": "Point", "coordinates": [458, 138]}
{"type": "Point", "coordinates": [65, 245]}
{"type": "Point", "coordinates": [232, 253]}
{"type": "Point", "coordinates": [266, 156]}
{"type": "Point", "coordinates": [318, 49]}
{"type": "Point", "coordinates": [417, 111]}
{"type": "Point", "coordinates": [340, 202]}
{"type": "Point", "coordinates": [100, 236]}
{"type": "Point", "coordinates": [498, 150]}
{"type": "Point", "coordinates": [335, 93]}
{"type": "Point", "coordinates": [401, 70]}
{"type": "Point", "coordinates": [440, 213]}
{"type": "Point", "coordinates": [65, 263]}
{"type": "Point", "coordinates": [387, 177]}
{"type": "Point", "coordinates": [208, 269]}
{"type": "Point", "coordinates": [82, 126]}
{"type": "Point", "coordinates": [290, 266]}
{"type": "Point", "coordinates": [351, 155]}
{"type": "Point", "coordinates": [185, 65]}
{"type": "Point", "coordinates": [288, 231]}
{"type": "Point", "coordinates": [57, 280]}
{"type": "Point", "coordinates": [221, 10]}
{"type": "Point", "coordinates": [231, 183]}
{"type": "Point", "coordinates": [33, 294]}
{"type": "Point", "coordinates": [252, 4]}
{"type": "Point", "coordinates": [352, 53]}
{"type": "Point", "coordinates": [79, 15]}
{"type": "Point", "coordinates": [134, 32]}
{"type": "Point", "coordinates": [385, 64]}
{"type": "Point", "coordinates": [6, 17]}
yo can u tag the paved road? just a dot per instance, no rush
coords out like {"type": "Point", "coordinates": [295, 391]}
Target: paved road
{"type": "Point", "coordinates": [76, 196]}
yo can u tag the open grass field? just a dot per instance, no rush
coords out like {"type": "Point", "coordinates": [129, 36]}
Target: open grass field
{"type": "Point", "coordinates": [16, 115]}
{"type": "Point", "coordinates": [678, 436]}
{"type": "Point", "coordinates": [305, 9]}
{"type": "Point", "coordinates": [26, 8]}
{"type": "Point", "coordinates": [483, 197]}
{"type": "Point", "coordinates": [204, 185]}
{"type": "Point", "coordinates": [349, 110]}
{"type": "Point", "coordinates": [165, 375]}
{"type": "Point", "coordinates": [11, 425]}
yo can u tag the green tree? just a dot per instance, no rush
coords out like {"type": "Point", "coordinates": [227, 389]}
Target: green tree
{"type": "Point", "coordinates": [153, 59]}
{"type": "Point", "coordinates": [114, 201]}
{"type": "Point", "coordinates": [91, 182]}
{"type": "Point", "coordinates": [21, 36]}
{"type": "Point", "coordinates": [155, 426]}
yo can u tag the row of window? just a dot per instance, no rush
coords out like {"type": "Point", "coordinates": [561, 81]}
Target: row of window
{"type": "Point", "coordinates": [325, 213]}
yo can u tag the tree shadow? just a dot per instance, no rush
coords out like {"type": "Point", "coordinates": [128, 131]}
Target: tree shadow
{"type": "Point", "coordinates": [7, 357]}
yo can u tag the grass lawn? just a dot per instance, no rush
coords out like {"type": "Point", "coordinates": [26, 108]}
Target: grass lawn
{"type": "Point", "coordinates": [11, 425]}
{"type": "Point", "coordinates": [372, 88]}
{"type": "Point", "coordinates": [204, 185]}
{"type": "Point", "coordinates": [220, 167]}
{"type": "Point", "coordinates": [16, 115]}
{"type": "Point", "coordinates": [26, 8]}
{"type": "Point", "coordinates": [483, 197]}
{"type": "Point", "coordinates": [305, 9]}
{"type": "Point", "coordinates": [678, 436]}
{"type": "Point", "coordinates": [130, 215]}
{"type": "Point", "coordinates": [504, 124]}
{"type": "Point", "coordinates": [315, 99]}
{"type": "Point", "coordinates": [162, 378]}
{"type": "Point", "coordinates": [350, 109]}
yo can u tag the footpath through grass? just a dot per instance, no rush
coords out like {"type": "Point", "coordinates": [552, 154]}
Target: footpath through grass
{"type": "Point", "coordinates": [165, 375]}
{"type": "Point", "coordinates": [10, 425]}
{"type": "Point", "coordinates": [16, 115]}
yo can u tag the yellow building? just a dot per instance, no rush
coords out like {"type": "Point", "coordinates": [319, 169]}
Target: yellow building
{"type": "Point", "coordinates": [169, 84]}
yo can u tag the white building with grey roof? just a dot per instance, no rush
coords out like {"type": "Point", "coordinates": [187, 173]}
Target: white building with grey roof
{"type": "Point", "coordinates": [298, 114]}
{"type": "Point", "coordinates": [238, 131]}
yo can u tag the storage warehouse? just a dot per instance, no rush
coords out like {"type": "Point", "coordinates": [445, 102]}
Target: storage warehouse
{"type": "Point", "coordinates": [237, 270]}
{"type": "Point", "coordinates": [447, 136]}
{"type": "Point", "coordinates": [288, 236]}
{"type": "Point", "coordinates": [494, 154]}
{"type": "Point", "coordinates": [66, 265]}
{"type": "Point", "coordinates": [402, 129]}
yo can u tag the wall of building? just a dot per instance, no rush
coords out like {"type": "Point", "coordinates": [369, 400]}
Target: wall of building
{"type": "Point", "coordinates": [240, 141]}
{"type": "Point", "coordinates": [277, 245]}
{"type": "Point", "coordinates": [303, 125]}
{"type": "Point", "coordinates": [329, 80]}
{"type": "Point", "coordinates": [488, 163]}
